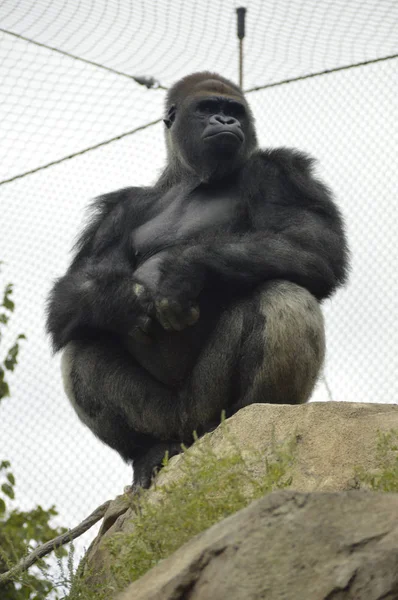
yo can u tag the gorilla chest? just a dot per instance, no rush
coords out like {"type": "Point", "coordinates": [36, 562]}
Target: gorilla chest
{"type": "Point", "coordinates": [178, 217]}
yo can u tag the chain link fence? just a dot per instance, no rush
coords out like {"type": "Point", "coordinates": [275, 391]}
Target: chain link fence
{"type": "Point", "coordinates": [75, 123]}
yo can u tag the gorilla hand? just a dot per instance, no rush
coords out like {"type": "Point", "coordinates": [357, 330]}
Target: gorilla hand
{"type": "Point", "coordinates": [172, 313]}
{"type": "Point", "coordinates": [176, 296]}
{"type": "Point", "coordinates": [167, 290]}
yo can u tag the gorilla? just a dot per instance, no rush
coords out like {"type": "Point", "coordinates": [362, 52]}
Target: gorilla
{"type": "Point", "coordinates": [202, 293]}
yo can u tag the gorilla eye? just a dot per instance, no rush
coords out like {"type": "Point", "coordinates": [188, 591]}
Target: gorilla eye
{"type": "Point", "coordinates": [208, 107]}
{"type": "Point", "coordinates": [234, 109]}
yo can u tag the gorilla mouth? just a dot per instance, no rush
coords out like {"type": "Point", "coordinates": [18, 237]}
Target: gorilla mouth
{"type": "Point", "coordinates": [226, 132]}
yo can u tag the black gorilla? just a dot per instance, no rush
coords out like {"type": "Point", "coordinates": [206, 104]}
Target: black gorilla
{"type": "Point", "coordinates": [199, 294]}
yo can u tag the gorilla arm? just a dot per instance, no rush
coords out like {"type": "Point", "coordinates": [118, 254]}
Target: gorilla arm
{"type": "Point", "coordinates": [306, 253]}
{"type": "Point", "coordinates": [296, 234]}
{"type": "Point", "coordinates": [97, 291]}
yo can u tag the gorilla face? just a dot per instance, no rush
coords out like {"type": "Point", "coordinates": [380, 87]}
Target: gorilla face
{"type": "Point", "coordinates": [222, 120]}
{"type": "Point", "coordinates": [211, 133]}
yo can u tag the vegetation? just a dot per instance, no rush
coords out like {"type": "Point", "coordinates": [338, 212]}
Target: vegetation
{"type": "Point", "coordinates": [10, 359]}
{"type": "Point", "coordinates": [20, 531]}
{"type": "Point", "coordinates": [385, 479]}
{"type": "Point", "coordinates": [208, 489]}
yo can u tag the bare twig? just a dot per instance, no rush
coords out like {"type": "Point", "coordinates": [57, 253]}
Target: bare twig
{"type": "Point", "coordinates": [60, 540]}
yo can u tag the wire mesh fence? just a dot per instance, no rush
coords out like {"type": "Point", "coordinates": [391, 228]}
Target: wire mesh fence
{"type": "Point", "coordinates": [75, 123]}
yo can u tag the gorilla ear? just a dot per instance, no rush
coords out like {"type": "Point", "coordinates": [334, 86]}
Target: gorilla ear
{"type": "Point", "coordinates": [171, 115]}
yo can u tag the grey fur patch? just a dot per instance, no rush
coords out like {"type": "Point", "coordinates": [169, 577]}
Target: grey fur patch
{"type": "Point", "coordinates": [66, 372]}
{"type": "Point", "coordinates": [294, 343]}
{"type": "Point", "coordinates": [71, 385]}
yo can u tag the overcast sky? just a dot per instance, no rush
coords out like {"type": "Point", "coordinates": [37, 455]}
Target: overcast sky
{"type": "Point", "coordinates": [52, 106]}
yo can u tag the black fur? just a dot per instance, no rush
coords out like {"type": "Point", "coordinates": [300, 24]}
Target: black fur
{"type": "Point", "coordinates": [199, 294]}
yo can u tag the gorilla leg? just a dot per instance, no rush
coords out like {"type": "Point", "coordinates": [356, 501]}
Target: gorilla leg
{"type": "Point", "coordinates": [268, 347]}
{"type": "Point", "coordinates": [294, 348]}
{"type": "Point", "coordinates": [117, 399]}
{"type": "Point", "coordinates": [122, 404]}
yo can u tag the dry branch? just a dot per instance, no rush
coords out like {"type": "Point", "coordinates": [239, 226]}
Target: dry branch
{"type": "Point", "coordinates": [60, 540]}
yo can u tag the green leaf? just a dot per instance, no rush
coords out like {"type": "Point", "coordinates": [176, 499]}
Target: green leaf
{"type": "Point", "coordinates": [7, 302]}
{"type": "Point", "coordinates": [12, 357]}
{"type": "Point", "coordinates": [5, 464]}
{"type": "Point", "coordinates": [2, 506]}
{"type": "Point", "coordinates": [4, 318]}
{"type": "Point", "coordinates": [4, 389]}
{"type": "Point", "coordinates": [11, 478]}
{"type": "Point", "coordinates": [8, 490]}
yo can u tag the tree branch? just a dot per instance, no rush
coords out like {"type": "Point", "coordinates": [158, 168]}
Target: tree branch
{"type": "Point", "coordinates": [60, 540]}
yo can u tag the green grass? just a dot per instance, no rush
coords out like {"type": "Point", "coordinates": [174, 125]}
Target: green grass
{"type": "Point", "coordinates": [385, 478]}
{"type": "Point", "coordinates": [208, 489]}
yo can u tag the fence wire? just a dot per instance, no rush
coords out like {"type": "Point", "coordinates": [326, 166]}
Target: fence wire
{"type": "Point", "coordinates": [75, 123]}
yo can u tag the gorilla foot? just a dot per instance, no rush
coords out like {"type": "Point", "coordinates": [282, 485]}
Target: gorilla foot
{"type": "Point", "coordinates": [146, 466]}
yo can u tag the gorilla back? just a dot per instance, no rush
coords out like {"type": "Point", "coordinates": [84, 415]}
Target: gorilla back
{"type": "Point", "coordinates": [199, 294]}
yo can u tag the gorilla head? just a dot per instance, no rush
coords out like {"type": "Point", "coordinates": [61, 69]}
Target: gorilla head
{"type": "Point", "coordinates": [209, 127]}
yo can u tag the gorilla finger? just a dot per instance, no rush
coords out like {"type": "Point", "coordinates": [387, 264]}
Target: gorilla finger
{"type": "Point", "coordinates": [170, 321]}
{"type": "Point", "coordinates": [181, 321]}
{"type": "Point", "coordinates": [162, 304]}
{"type": "Point", "coordinates": [138, 289]}
{"type": "Point", "coordinates": [175, 317]}
{"type": "Point", "coordinates": [193, 315]}
{"type": "Point", "coordinates": [172, 317]}
{"type": "Point", "coordinates": [140, 336]}
{"type": "Point", "coordinates": [145, 323]}
{"type": "Point", "coordinates": [164, 323]}
{"type": "Point", "coordinates": [161, 315]}
{"type": "Point", "coordinates": [147, 306]}
{"type": "Point", "coordinates": [181, 318]}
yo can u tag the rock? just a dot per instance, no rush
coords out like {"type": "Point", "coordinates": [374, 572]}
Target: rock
{"type": "Point", "coordinates": [289, 546]}
{"type": "Point", "coordinates": [331, 439]}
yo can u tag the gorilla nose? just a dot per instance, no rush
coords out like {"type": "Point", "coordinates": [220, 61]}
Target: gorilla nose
{"type": "Point", "coordinates": [222, 119]}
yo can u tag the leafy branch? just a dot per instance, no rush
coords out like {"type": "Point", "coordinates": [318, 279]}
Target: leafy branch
{"type": "Point", "coordinates": [7, 307]}
{"type": "Point", "coordinates": [59, 541]}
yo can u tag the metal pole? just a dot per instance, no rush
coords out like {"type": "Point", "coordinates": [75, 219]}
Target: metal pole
{"type": "Point", "coordinates": [241, 14]}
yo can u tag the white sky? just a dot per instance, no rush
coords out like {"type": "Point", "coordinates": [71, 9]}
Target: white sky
{"type": "Point", "coordinates": [51, 106]}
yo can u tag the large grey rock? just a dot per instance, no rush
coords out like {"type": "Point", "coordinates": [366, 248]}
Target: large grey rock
{"type": "Point", "coordinates": [332, 439]}
{"type": "Point", "coordinates": [287, 546]}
